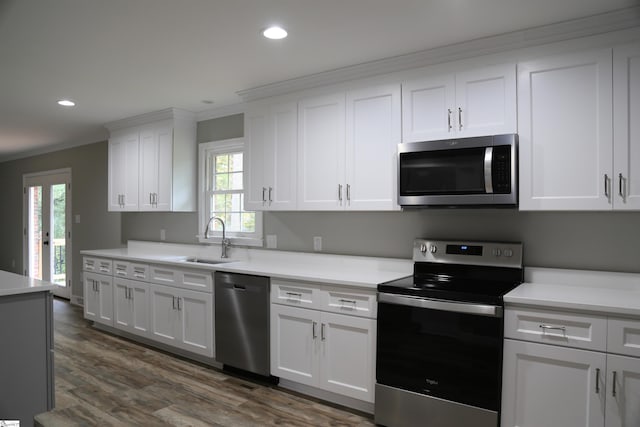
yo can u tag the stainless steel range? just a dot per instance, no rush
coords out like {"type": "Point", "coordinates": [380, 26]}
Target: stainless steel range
{"type": "Point", "coordinates": [440, 332]}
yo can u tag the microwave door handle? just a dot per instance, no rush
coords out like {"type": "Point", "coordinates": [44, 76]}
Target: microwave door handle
{"type": "Point", "coordinates": [488, 160]}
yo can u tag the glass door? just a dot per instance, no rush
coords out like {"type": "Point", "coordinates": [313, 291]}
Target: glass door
{"type": "Point", "coordinates": [47, 228]}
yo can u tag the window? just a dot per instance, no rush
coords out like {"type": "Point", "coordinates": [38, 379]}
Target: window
{"type": "Point", "coordinates": [222, 194]}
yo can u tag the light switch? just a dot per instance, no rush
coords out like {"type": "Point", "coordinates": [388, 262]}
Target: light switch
{"type": "Point", "coordinates": [317, 243]}
{"type": "Point", "coordinates": [272, 241]}
{"type": "Point", "coordinates": [163, 234]}
{"type": "Point", "coordinates": [78, 219]}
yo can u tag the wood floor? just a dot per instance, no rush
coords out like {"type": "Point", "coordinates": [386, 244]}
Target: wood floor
{"type": "Point", "coordinates": [105, 380]}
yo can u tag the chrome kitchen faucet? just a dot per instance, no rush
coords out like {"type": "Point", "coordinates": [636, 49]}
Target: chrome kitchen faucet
{"type": "Point", "coordinates": [225, 242]}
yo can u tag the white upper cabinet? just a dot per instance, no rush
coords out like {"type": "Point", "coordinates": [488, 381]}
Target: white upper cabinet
{"type": "Point", "coordinates": [123, 172]}
{"type": "Point", "coordinates": [373, 134]}
{"type": "Point", "coordinates": [470, 103]}
{"type": "Point", "coordinates": [626, 132]}
{"type": "Point", "coordinates": [347, 150]}
{"type": "Point", "coordinates": [156, 160]}
{"type": "Point", "coordinates": [271, 137]}
{"type": "Point", "coordinates": [566, 132]}
{"type": "Point", "coordinates": [164, 171]}
{"type": "Point", "coordinates": [321, 150]}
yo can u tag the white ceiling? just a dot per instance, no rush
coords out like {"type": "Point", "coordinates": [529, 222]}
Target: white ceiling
{"type": "Point", "coordinates": [120, 58]}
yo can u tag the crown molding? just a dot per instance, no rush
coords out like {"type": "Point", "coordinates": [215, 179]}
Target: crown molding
{"type": "Point", "coordinates": [155, 116]}
{"type": "Point", "coordinates": [224, 111]}
{"type": "Point", "coordinates": [593, 25]}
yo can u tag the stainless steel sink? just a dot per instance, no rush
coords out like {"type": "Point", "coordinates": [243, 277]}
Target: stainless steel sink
{"type": "Point", "coordinates": [203, 260]}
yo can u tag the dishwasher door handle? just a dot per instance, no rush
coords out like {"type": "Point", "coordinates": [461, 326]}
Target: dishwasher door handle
{"type": "Point", "coordinates": [239, 287]}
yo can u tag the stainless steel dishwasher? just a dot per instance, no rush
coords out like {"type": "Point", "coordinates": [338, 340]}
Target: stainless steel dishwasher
{"type": "Point", "coordinates": [242, 321]}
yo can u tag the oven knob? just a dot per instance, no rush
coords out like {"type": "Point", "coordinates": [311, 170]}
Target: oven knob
{"type": "Point", "coordinates": [423, 248]}
{"type": "Point", "coordinates": [497, 252]}
{"type": "Point", "coordinates": [433, 249]}
{"type": "Point", "coordinates": [508, 253]}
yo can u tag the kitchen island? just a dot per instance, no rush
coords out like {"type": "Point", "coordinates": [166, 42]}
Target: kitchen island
{"type": "Point", "coordinates": [26, 355]}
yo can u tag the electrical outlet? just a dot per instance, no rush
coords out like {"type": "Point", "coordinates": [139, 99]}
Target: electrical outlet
{"type": "Point", "coordinates": [272, 241]}
{"type": "Point", "coordinates": [317, 243]}
{"type": "Point", "coordinates": [163, 234]}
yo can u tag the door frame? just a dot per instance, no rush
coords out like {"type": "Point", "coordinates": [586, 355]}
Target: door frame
{"type": "Point", "coordinates": [68, 223]}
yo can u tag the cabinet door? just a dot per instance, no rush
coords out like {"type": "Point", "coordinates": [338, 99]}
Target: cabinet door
{"type": "Point", "coordinates": [428, 109]}
{"type": "Point", "coordinates": [566, 132]}
{"type": "Point", "coordinates": [139, 300]}
{"type": "Point", "coordinates": [547, 385]}
{"type": "Point", "coordinates": [105, 299]}
{"type": "Point", "coordinates": [626, 108]}
{"type": "Point", "coordinates": [294, 349]}
{"type": "Point", "coordinates": [196, 321]}
{"type": "Point", "coordinates": [156, 168]}
{"type": "Point", "coordinates": [623, 391]}
{"type": "Point", "coordinates": [122, 313]}
{"type": "Point", "coordinates": [91, 307]}
{"type": "Point", "coordinates": [321, 153]}
{"type": "Point", "coordinates": [348, 355]}
{"type": "Point", "coordinates": [123, 172]}
{"type": "Point", "coordinates": [281, 170]}
{"type": "Point", "coordinates": [372, 136]}
{"type": "Point", "coordinates": [165, 317]}
{"type": "Point", "coordinates": [486, 101]}
{"type": "Point", "coordinates": [256, 134]}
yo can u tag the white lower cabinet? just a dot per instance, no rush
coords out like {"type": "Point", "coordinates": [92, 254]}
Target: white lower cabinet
{"type": "Point", "coordinates": [182, 318]}
{"type": "Point", "coordinates": [131, 305]}
{"type": "Point", "coordinates": [555, 384]}
{"type": "Point", "coordinates": [98, 298]}
{"type": "Point", "coordinates": [547, 385]}
{"type": "Point", "coordinates": [333, 352]}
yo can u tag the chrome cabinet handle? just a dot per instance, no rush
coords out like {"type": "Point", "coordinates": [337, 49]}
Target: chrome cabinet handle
{"type": "Point", "coordinates": [264, 199]}
{"type": "Point", "coordinates": [348, 301]}
{"type": "Point", "coordinates": [613, 389]}
{"type": "Point", "coordinates": [606, 186]}
{"type": "Point", "coordinates": [597, 380]}
{"type": "Point", "coordinates": [348, 192]}
{"type": "Point", "coordinates": [322, 337]}
{"type": "Point", "coordinates": [173, 302]}
{"type": "Point", "coordinates": [459, 118]}
{"type": "Point", "coordinates": [313, 330]}
{"type": "Point", "coordinates": [179, 307]}
{"type": "Point", "coordinates": [340, 192]}
{"type": "Point", "coordinates": [270, 191]}
{"type": "Point", "coordinates": [558, 328]}
{"type": "Point", "coordinates": [620, 192]}
{"type": "Point", "coordinates": [449, 119]}
{"type": "Point", "coordinates": [290, 295]}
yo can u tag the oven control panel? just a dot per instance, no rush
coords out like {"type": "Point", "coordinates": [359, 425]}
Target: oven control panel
{"type": "Point", "coordinates": [502, 254]}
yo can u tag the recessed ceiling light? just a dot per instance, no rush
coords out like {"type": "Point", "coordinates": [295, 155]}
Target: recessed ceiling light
{"type": "Point", "coordinates": [275, 33]}
{"type": "Point", "coordinates": [66, 103]}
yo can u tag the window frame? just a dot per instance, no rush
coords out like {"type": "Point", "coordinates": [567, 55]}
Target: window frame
{"type": "Point", "coordinates": [206, 149]}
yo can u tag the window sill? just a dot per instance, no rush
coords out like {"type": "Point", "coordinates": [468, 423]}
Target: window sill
{"type": "Point", "coordinates": [235, 241]}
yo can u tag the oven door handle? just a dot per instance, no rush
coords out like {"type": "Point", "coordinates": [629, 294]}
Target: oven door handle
{"type": "Point", "coordinates": [458, 307]}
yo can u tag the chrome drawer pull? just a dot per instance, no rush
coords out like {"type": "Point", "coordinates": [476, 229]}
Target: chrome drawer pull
{"type": "Point", "coordinates": [557, 328]}
{"type": "Point", "coordinates": [313, 330]}
{"type": "Point", "coordinates": [597, 380]}
{"type": "Point", "coordinates": [322, 337]}
{"type": "Point", "coordinates": [613, 390]}
{"type": "Point", "coordinates": [297, 295]}
{"type": "Point", "coordinates": [343, 303]}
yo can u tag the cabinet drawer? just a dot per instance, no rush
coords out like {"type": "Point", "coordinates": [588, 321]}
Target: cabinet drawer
{"type": "Point", "coordinates": [199, 280]}
{"type": "Point", "coordinates": [131, 270]}
{"type": "Point", "coordinates": [97, 265]}
{"type": "Point", "coordinates": [294, 294]}
{"type": "Point", "coordinates": [355, 303]}
{"type": "Point", "coordinates": [623, 336]}
{"type": "Point", "coordinates": [557, 328]}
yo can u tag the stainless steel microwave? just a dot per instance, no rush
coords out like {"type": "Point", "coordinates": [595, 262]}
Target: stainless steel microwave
{"type": "Point", "coordinates": [466, 172]}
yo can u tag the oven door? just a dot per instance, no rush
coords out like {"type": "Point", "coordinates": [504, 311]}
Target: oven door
{"type": "Point", "coordinates": [448, 350]}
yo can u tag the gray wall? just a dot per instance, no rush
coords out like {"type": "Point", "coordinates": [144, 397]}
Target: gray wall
{"type": "Point", "coordinates": [97, 228]}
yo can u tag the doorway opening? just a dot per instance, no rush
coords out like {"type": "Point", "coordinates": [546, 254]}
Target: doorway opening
{"type": "Point", "coordinates": [47, 228]}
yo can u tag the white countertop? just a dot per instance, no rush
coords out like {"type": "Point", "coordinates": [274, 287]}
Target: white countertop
{"type": "Point", "coordinates": [344, 270]}
{"type": "Point", "coordinates": [13, 284]}
{"type": "Point", "coordinates": [592, 291]}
